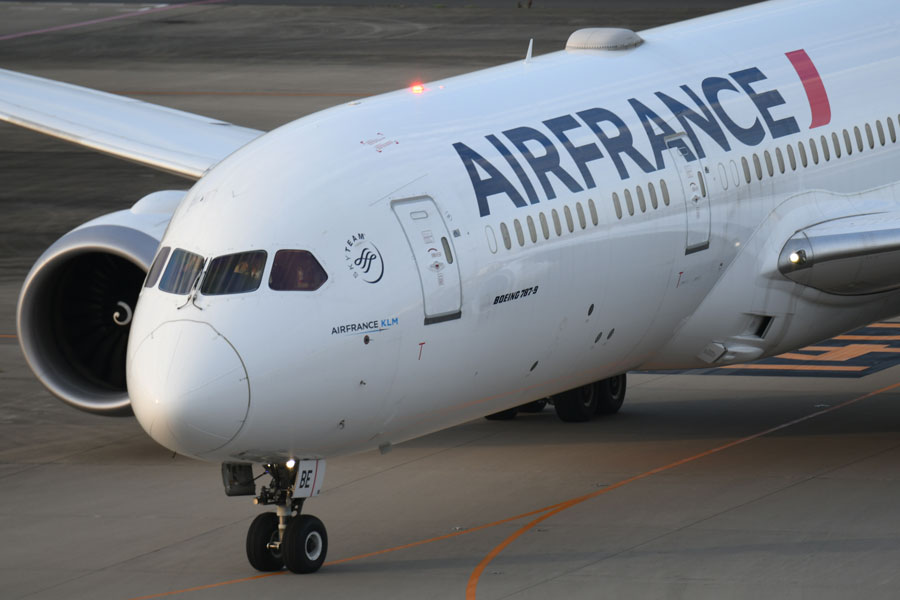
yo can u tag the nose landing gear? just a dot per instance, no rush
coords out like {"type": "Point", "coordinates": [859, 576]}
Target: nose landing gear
{"type": "Point", "coordinates": [284, 538]}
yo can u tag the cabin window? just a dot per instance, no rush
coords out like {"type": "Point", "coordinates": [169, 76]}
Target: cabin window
{"type": "Point", "coordinates": [234, 273]}
{"type": "Point", "coordinates": [702, 184]}
{"type": "Point", "coordinates": [557, 226]}
{"type": "Point", "coordinates": [181, 272]}
{"type": "Point", "coordinates": [746, 167]}
{"type": "Point", "coordinates": [654, 202]}
{"type": "Point", "coordinates": [869, 138]}
{"type": "Point", "coordinates": [847, 143]}
{"type": "Point", "coordinates": [891, 130]}
{"type": "Point", "coordinates": [780, 158]}
{"type": "Point", "coordinates": [504, 233]}
{"type": "Point", "coordinates": [156, 268]}
{"type": "Point", "coordinates": [814, 151]}
{"type": "Point", "coordinates": [664, 189]}
{"type": "Point", "coordinates": [296, 270]}
{"type": "Point", "coordinates": [629, 203]}
{"type": "Point", "coordinates": [520, 235]}
{"type": "Point", "coordinates": [617, 205]}
{"type": "Point", "coordinates": [757, 166]}
{"type": "Point", "coordinates": [791, 158]}
{"type": "Point", "coordinates": [769, 167]}
{"type": "Point", "coordinates": [544, 228]}
{"type": "Point", "coordinates": [580, 212]}
{"type": "Point", "coordinates": [641, 201]}
{"type": "Point", "coordinates": [880, 129]}
{"type": "Point", "coordinates": [593, 208]}
{"type": "Point", "coordinates": [858, 135]}
{"type": "Point", "coordinates": [532, 231]}
{"type": "Point", "coordinates": [569, 223]}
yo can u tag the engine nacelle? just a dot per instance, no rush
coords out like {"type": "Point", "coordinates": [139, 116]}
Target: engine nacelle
{"type": "Point", "coordinates": [76, 304]}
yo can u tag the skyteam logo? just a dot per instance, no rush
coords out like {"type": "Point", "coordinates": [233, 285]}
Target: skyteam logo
{"type": "Point", "coordinates": [363, 259]}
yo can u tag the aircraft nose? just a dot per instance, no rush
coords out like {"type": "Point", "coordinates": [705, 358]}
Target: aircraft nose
{"type": "Point", "coordinates": [188, 387]}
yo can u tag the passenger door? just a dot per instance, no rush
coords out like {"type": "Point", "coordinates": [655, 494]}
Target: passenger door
{"type": "Point", "coordinates": [432, 249]}
{"type": "Point", "coordinates": [696, 195]}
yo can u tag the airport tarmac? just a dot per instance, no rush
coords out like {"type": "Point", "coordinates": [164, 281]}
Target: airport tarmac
{"type": "Point", "coordinates": [704, 486]}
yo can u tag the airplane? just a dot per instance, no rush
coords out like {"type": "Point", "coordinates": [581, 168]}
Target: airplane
{"type": "Point", "coordinates": [700, 194]}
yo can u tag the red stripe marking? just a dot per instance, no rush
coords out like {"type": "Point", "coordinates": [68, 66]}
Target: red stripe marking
{"type": "Point", "coordinates": [815, 89]}
{"type": "Point", "coordinates": [315, 476]}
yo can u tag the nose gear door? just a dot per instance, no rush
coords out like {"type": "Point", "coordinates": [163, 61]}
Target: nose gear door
{"type": "Point", "coordinates": [435, 257]}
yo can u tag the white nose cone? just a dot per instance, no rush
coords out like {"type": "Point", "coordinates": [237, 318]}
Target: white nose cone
{"type": "Point", "coordinates": [188, 387]}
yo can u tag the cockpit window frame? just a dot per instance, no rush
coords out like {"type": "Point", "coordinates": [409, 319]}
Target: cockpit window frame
{"type": "Point", "coordinates": [184, 280]}
{"type": "Point", "coordinates": [228, 282]}
{"type": "Point", "coordinates": [293, 260]}
{"type": "Point", "coordinates": [156, 268]}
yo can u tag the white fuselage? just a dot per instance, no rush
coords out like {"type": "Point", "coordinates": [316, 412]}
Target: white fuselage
{"type": "Point", "coordinates": [579, 289]}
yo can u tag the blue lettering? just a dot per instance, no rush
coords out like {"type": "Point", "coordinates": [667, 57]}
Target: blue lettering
{"type": "Point", "coordinates": [712, 86]}
{"type": "Point", "coordinates": [764, 101]}
{"type": "Point", "coordinates": [686, 116]}
{"type": "Point", "coordinates": [541, 165]}
{"type": "Point", "coordinates": [512, 162]}
{"type": "Point", "coordinates": [496, 183]}
{"type": "Point", "coordinates": [658, 140]}
{"type": "Point", "coordinates": [618, 144]}
{"type": "Point", "coordinates": [580, 154]}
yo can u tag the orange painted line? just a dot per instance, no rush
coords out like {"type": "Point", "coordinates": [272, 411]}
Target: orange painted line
{"type": "Point", "coordinates": [210, 586]}
{"type": "Point", "coordinates": [8, 336]}
{"type": "Point", "coordinates": [443, 537]}
{"type": "Point", "coordinates": [886, 325]}
{"type": "Point", "coordinates": [795, 367]}
{"type": "Point", "coordinates": [358, 556]}
{"type": "Point", "coordinates": [472, 586]}
{"type": "Point", "coordinates": [239, 94]}
{"type": "Point", "coordinates": [875, 338]}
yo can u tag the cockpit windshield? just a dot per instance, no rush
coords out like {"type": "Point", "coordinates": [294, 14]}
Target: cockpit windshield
{"type": "Point", "coordinates": [157, 266]}
{"type": "Point", "coordinates": [234, 273]}
{"type": "Point", "coordinates": [296, 270]}
{"type": "Point", "coordinates": [181, 272]}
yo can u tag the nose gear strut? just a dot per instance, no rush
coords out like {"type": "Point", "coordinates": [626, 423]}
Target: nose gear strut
{"type": "Point", "coordinates": [284, 538]}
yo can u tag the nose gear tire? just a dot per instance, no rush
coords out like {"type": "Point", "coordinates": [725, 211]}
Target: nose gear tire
{"type": "Point", "coordinates": [264, 530]}
{"type": "Point", "coordinates": [305, 544]}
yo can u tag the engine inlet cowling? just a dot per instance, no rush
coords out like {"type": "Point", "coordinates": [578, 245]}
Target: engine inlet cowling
{"type": "Point", "coordinates": [74, 314]}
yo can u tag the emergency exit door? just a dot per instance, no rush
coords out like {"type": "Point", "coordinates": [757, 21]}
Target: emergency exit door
{"type": "Point", "coordinates": [432, 249]}
{"type": "Point", "coordinates": [696, 197]}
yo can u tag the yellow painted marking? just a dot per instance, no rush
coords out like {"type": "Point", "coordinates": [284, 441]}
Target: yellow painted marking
{"type": "Point", "coordinates": [759, 367]}
{"type": "Point", "coordinates": [839, 354]}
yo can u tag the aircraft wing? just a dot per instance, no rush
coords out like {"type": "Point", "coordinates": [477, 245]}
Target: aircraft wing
{"type": "Point", "coordinates": [170, 140]}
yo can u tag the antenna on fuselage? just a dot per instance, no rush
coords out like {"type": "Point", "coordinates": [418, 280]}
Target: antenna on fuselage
{"type": "Point", "coordinates": [528, 54]}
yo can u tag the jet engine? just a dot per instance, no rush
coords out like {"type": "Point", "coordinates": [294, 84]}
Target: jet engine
{"type": "Point", "coordinates": [76, 304]}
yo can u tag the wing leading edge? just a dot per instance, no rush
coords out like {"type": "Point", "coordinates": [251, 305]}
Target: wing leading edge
{"type": "Point", "coordinates": [163, 138]}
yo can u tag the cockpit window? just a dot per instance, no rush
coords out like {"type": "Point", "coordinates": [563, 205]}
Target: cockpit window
{"type": "Point", "coordinates": [182, 272]}
{"type": "Point", "coordinates": [234, 273]}
{"type": "Point", "coordinates": [296, 270]}
{"type": "Point", "coordinates": [157, 267]}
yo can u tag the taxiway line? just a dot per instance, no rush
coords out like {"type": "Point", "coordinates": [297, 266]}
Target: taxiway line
{"type": "Point", "coordinates": [146, 11]}
{"type": "Point", "coordinates": [238, 94]}
{"type": "Point", "coordinates": [472, 586]}
{"type": "Point", "coordinates": [545, 512]}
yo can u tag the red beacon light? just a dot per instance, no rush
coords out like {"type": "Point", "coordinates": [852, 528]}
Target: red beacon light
{"type": "Point", "coordinates": [417, 88]}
